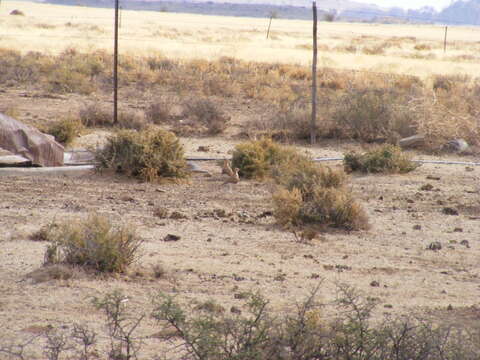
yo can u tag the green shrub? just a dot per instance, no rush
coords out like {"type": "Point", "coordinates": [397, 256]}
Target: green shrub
{"type": "Point", "coordinates": [148, 154]}
{"type": "Point", "coordinates": [308, 194]}
{"type": "Point", "coordinates": [383, 159]}
{"type": "Point", "coordinates": [320, 208]}
{"type": "Point", "coordinates": [65, 130]}
{"type": "Point", "coordinates": [93, 243]}
{"type": "Point", "coordinates": [257, 159]}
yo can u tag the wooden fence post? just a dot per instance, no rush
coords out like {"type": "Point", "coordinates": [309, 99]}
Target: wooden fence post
{"type": "Point", "coordinates": [313, 124]}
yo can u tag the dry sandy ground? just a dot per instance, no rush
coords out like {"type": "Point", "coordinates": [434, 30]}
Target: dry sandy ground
{"type": "Point", "coordinates": [220, 255]}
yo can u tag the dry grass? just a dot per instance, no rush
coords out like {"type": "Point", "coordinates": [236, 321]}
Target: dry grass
{"type": "Point", "coordinates": [149, 155]}
{"type": "Point", "coordinates": [385, 159]}
{"type": "Point", "coordinates": [368, 106]}
{"type": "Point", "coordinates": [94, 243]}
{"type": "Point", "coordinates": [213, 37]}
{"type": "Point", "coordinates": [66, 130]}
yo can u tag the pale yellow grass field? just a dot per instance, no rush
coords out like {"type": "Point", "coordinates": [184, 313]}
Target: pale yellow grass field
{"type": "Point", "coordinates": [52, 28]}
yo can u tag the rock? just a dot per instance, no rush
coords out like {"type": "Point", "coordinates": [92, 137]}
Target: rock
{"type": "Point", "coordinates": [235, 310]}
{"type": "Point", "coordinates": [417, 227]}
{"type": "Point", "coordinates": [430, 177]}
{"type": "Point", "coordinates": [436, 245]}
{"type": "Point", "coordinates": [412, 141]}
{"type": "Point", "coordinates": [176, 215]}
{"type": "Point", "coordinates": [456, 145]}
{"type": "Point", "coordinates": [449, 211]}
{"type": "Point", "coordinates": [457, 229]}
{"type": "Point", "coordinates": [171, 237]}
{"type": "Point", "coordinates": [449, 307]}
{"type": "Point", "coordinates": [375, 283]}
{"type": "Point", "coordinates": [465, 243]}
{"type": "Point", "coordinates": [426, 187]}
{"type": "Point", "coordinates": [203, 148]}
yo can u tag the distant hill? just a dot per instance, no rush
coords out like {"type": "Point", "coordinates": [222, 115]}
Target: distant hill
{"type": "Point", "coordinates": [466, 12]}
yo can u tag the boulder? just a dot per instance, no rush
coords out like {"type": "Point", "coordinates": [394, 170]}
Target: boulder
{"type": "Point", "coordinates": [412, 141]}
{"type": "Point", "coordinates": [26, 141]}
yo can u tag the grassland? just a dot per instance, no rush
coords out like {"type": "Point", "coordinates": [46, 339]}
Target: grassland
{"type": "Point", "coordinates": [399, 49]}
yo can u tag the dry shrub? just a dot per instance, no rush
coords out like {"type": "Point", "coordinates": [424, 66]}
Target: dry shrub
{"type": "Point", "coordinates": [257, 159]}
{"type": "Point", "coordinates": [94, 115]}
{"type": "Point", "coordinates": [65, 130]}
{"type": "Point", "coordinates": [373, 115]}
{"type": "Point", "coordinates": [314, 195]}
{"type": "Point", "coordinates": [323, 207]}
{"type": "Point", "coordinates": [308, 194]}
{"type": "Point", "coordinates": [159, 112]}
{"type": "Point", "coordinates": [128, 119]}
{"type": "Point", "coordinates": [384, 159]}
{"type": "Point", "coordinates": [45, 233]}
{"type": "Point", "coordinates": [378, 49]}
{"type": "Point", "coordinates": [94, 243]}
{"type": "Point", "coordinates": [422, 47]}
{"type": "Point", "coordinates": [205, 112]}
{"type": "Point", "coordinates": [149, 154]}
{"type": "Point", "coordinates": [292, 124]}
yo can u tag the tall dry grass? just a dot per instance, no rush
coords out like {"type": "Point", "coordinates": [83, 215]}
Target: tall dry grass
{"type": "Point", "coordinates": [367, 106]}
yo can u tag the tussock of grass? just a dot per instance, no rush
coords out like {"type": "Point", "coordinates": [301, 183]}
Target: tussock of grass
{"type": "Point", "coordinates": [384, 159]}
{"type": "Point", "coordinates": [148, 154]}
{"type": "Point", "coordinates": [308, 194]}
{"type": "Point", "coordinates": [94, 243]}
{"type": "Point", "coordinates": [65, 130]}
{"type": "Point", "coordinates": [367, 107]}
{"type": "Point", "coordinates": [257, 159]}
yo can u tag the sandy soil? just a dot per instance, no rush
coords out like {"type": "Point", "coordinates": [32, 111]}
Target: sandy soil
{"type": "Point", "coordinates": [230, 243]}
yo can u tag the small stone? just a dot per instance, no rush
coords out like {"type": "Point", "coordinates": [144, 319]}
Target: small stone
{"type": "Point", "coordinates": [388, 306]}
{"type": "Point", "coordinates": [430, 177]}
{"type": "Point", "coordinates": [314, 276]}
{"type": "Point", "coordinates": [171, 237]}
{"type": "Point", "coordinates": [449, 307]}
{"type": "Point", "coordinates": [176, 215]}
{"type": "Point", "coordinates": [457, 229]}
{"type": "Point", "coordinates": [426, 187]}
{"type": "Point", "coordinates": [203, 148]}
{"type": "Point", "coordinates": [465, 243]}
{"type": "Point", "coordinates": [417, 227]}
{"type": "Point", "coordinates": [469, 169]}
{"type": "Point", "coordinates": [449, 211]}
{"type": "Point", "coordinates": [436, 245]}
{"type": "Point", "coordinates": [235, 310]}
{"type": "Point", "coordinates": [160, 190]}
{"type": "Point", "coordinates": [375, 283]}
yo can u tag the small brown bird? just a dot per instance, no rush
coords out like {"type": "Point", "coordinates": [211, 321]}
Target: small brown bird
{"type": "Point", "coordinates": [234, 178]}
{"type": "Point", "coordinates": [226, 169]}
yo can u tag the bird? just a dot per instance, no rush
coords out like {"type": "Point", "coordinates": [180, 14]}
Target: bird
{"type": "Point", "coordinates": [234, 178]}
{"type": "Point", "coordinates": [226, 169]}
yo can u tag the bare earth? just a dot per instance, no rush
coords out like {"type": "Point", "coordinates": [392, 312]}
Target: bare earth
{"type": "Point", "coordinates": [230, 243]}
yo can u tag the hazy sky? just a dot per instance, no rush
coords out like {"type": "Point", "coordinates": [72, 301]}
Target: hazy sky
{"type": "Point", "coordinates": [409, 4]}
